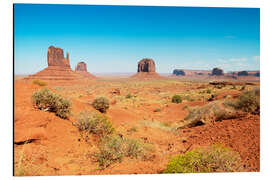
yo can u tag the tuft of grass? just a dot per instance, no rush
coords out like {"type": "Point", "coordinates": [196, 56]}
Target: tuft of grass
{"type": "Point", "coordinates": [93, 122]}
{"type": "Point", "coordinates": [39, 82]}
{"type": "Point", "coordinates": [46, 100]}
{"type": "Point", "coordinates": [157, 110]}
{"type": "Point", "coordinates": [176, 99]}
{"type": "Point", "coordinates": [128, 96]}
{"type": "Point", "coordinates": [101, 104]}
{"type": "Point", "coordinates": [214, 158]}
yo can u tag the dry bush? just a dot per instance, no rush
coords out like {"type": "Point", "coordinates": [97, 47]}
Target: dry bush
{"type": "Point", "coordinates": [176, 99]}
{"type": "Point", "coordinates": [39, 82]}
{"type": "Point", "coordinates": [215, 158]}
{"type": "Point", "coordinates": [46, 100]}
{"type": "Point", "coordinates": [249, 102]}
{"type": "Point", "coordinates": [94, 123]}
{"type": "Point", "coordinates": [101, 104]}
{"type": "Point", "coordinates": [214, 111]}
{"type": "Point", "coordinates": [115, 148]}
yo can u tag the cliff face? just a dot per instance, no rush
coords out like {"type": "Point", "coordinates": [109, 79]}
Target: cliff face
{"type": "Point", "coordinates": [146, 65]}
{"type": "Point", "coordinates": [56, 57]}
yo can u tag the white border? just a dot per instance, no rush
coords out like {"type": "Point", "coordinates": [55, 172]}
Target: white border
{"type": "Point", "coordinates": [6, 85]}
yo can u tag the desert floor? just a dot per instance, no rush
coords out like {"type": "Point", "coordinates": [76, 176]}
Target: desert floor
{"type": "Point", "coordinates": [57, 147]}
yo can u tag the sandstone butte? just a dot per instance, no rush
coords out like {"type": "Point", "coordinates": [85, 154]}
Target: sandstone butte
{"type": "Point", "coordinates": [81, 68]}
{"type": "Point", "coordinates": [147, 70]}
{"type": "Point", "coordinates": [58, 67]}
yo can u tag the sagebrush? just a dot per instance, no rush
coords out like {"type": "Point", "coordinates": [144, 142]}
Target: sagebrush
{"type": "Point", "coordinates": [101, 104]}
{"type": "Point", "coordinates": [46, 100]}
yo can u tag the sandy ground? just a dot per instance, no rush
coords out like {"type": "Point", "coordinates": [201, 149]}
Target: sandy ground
{"type": "Point", "coordinates": [57, 147]}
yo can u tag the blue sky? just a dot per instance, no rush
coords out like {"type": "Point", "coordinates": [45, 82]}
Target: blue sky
{"type": "Point", "coordinates": [114, 38]}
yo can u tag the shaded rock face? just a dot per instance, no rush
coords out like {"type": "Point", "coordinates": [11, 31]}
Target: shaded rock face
{"type": "Point", "coordinates": [146, 65]}
{"type": "Point", "coordinates": [56, 57]}
{"type": "Point", "coordinates": [179, 72]}
{"type": "Point", "coordinates": [81, 66]}
{"type": "Point", "coordinates": [217, 72]}
{"type": "Point", "coordinates": [242, 73]}
{"type": "Point", "coordinates": [257, 74]}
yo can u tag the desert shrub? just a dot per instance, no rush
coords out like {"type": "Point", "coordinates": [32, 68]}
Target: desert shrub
{"type": "Point", "coordinates": [176, 99]}
{"type": "Point", "coordinates": [115, 148]}
{"type": "Point", "coordinates": [157, 110]}
{"type": "Point", "coordinates": [185, 107]}
{"type": "Point", "coordinates": [94, 123]}
{"type": "Point", "coordinates": [46, 100]}
{"type": "Point", "coordinates": [101, 104]}
{"type": "Point", "coordinates": [249, 102]}
{"type": "Point", "coordinates": [214, 111]}
{"type": "Point", "coordinates": [39, 82]}
{"type": "Point", "coordinates": [208, 91]}
{"type": "Point", "coordinates": [214, 158]}
{"type": "Point", "coordinates": [128, 96]}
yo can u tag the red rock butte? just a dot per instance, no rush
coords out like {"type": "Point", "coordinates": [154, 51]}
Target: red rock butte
{"type": "Point", "coordinates": [81, 68]}
{"type": "Point", "coordinates": [147, 70]}
{"type": "Point", "coordinates": [58, 67]}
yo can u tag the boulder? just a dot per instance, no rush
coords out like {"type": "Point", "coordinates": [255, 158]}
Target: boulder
{"type": "Point", "coordinates": [217, 72]}
{"type": "Point", "coordinates": [56, 57]}
{"type": "Point", "coordinates": [179, 72]}
{"type": "Point", "coordinates": [146, 65]}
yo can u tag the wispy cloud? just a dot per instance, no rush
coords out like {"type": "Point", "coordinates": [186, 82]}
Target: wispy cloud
{"type": "Point", "coordinates": [238, 59]}
{"type": "Point", "coordinates": [256, 58]}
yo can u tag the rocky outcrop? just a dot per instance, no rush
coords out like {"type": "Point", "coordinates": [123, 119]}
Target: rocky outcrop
{"type": "Point", "coordinates": [81, 66]}
{"type": "Point", "coordinates": [242, 73]}
{"type": "Point", "coordinates": [58, 68]}
{"type": "Point", "coordinates": [146, 65]}
{"type": "Point", "coordinates": [217, 72]}
{"type": "Point", "coordinates": [56, 57]}
{"type": "Point", "coordinates": [179, 72]}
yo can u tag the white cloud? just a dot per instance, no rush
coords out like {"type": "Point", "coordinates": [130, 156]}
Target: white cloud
{"type": "Point", "coordinates": [256, 58]}
{"type": "Point", "coordinates": [238, 59]}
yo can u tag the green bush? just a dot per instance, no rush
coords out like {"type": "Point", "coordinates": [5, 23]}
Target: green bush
{"type": "Point", "coordinates": [249, 102]}
{"type": "Point", "coordinates": [101, 104]}
{"type": "Point", "coordinates": [176, 99]}
{"type": "Point", "coordinates": [215, 158]}
{"type": "Point", "coordinates": [128, 96]}
{"type": "Point", "coordinates": [46, 100]}
{"type": "Point", "coordinates": [94, 123]}
{"type": "Point", "coordinates": [157, 110]}
{"type": "Point", "coordinates": [38, 82]}
{"type": "Point", "coordinates": [208, 91]}
{"type": "Point", "coordinates": [115, 148]}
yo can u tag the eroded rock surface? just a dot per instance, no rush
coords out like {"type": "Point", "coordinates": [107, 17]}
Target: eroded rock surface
{"type": "Point", "coordinates": [146, 65]}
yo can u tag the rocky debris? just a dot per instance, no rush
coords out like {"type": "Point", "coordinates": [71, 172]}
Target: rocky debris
{"type": "Point", "coordinates": [146, 65]}
{"type": "Point", "coordinates": [81, 66]}
{"type": "Point", "coordinates": [217, 72]}
{"type": "Point", "coordinates": [179, 72]}
{"type": "Point", "coordinates": [56, 57]}
{"type": "Point", "coordinates": [242, 73]}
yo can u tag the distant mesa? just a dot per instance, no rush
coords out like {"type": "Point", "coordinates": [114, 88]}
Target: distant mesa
{"type": "Point", "coordinates": [217, 72]}
{"type": "Point", "coordinates": [81, 68]}
{"type": "Point", "coordinates": [58, 67]}
{"type": "Point", "coordinates": [146, 65]}
{"type": "Point", "coordinates": [147, 70]}
{"type": "Point", "coordinates": [179, 72]}
{"type": "Point", "coordinates": [242, 73]}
